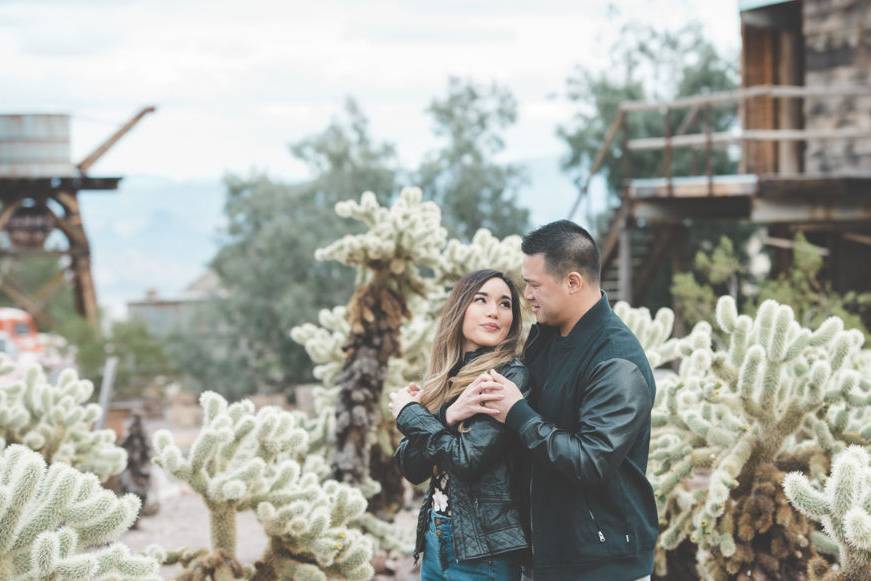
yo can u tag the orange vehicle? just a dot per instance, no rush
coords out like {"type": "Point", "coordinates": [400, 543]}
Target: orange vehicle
{"type": "Point", "coordinates": [18, 328]}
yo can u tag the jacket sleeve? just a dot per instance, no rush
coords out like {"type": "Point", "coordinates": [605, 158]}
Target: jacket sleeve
{"type": "Point", "coordinates": [468, 453]}
{"type": "Point", "coordinates": [412, 464]}
{"type": "Point", "coordinates": [615, 408]}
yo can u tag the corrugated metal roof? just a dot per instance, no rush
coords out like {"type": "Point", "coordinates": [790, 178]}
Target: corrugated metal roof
{"type": "Point", "coordinates": [752, 4]}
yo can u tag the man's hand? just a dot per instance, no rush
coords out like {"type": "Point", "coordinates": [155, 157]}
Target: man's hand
{"type": "Point", "coordinates": [472, 401]}
{"type": "Point", "coordinates": [510, 394]}
{"type": "Point", "coordinates": [402, 397]}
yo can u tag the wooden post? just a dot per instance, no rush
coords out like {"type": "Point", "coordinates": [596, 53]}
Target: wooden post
{"type": "Point", "coordinates": [679, 264]}
{"type": "Point", "coordinates": [624, 266]}
{"type": "Point", "coordinates": [709, 153]}
{"type": "Point", "coordinates": [80, 256]}
{"type": "Point", "coordinates": [789, 109]}
{"type": "Point", "coordinates": [667, 154]}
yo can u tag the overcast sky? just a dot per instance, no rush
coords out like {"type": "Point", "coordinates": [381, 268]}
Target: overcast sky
{"type": "Point", "coordinates": [235, 82]}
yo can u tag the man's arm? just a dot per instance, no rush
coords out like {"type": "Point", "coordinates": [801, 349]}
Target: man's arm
{"type": "Point", "coordinates": [615, 408]}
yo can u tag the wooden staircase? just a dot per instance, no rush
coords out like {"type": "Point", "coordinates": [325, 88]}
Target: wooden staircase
{"type": "Point", "coordinates": [631, 254]}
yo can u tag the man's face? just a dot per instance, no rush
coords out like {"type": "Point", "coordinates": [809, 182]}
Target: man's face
{"type": "Point", "coordinates": [546, 294]}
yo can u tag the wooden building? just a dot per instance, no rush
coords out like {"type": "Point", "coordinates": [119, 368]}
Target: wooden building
{"type": "Point", "coordinates": [805, 148]}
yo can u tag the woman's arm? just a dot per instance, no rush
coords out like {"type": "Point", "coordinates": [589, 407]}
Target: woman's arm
{"type": "Point", "coordinates": [468, 453]}
{"type": "Point", "coordinates": [412, 464]}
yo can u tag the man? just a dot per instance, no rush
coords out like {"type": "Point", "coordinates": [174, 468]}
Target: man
{"type": "Point", "coordinates": [585, 422]}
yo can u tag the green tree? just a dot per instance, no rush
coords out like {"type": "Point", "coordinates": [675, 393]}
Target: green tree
{"type": "Point", "coordinates": [813, 298]}
{"type": "Point", "coordinates": [461, 175]}
{"type": "Point", "coordinates": [266, 264]}
{"type": "Point", "coordinates": [142, 358]}
{"type": "Point", "coordinates": [720, 268]}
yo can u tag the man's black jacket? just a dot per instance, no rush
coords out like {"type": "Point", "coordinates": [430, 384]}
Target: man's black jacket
{"type": "Point", "coordinates": [486, 499]}
{"type": "Point", "coordinates": [586, 424]}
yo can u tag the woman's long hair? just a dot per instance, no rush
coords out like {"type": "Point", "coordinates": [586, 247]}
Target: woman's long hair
{"type": "Point", "coordinates": [447, 350]}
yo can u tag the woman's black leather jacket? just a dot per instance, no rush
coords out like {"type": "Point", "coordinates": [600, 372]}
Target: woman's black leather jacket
{"type": "Point", "coordinates": [486, 493]}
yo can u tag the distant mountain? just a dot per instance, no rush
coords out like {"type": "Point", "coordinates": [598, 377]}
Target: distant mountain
{"type": "Point", "coordinates": [160, 233]}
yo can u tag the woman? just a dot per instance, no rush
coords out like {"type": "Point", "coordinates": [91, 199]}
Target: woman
{"type": "Point", "coordinates": [469, 526]}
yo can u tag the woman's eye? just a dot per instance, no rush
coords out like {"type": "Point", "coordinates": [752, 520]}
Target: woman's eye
{"type": "Point", "coordinates": [506, 305]}
{"type": "Point", "coordinates": [480, 300]}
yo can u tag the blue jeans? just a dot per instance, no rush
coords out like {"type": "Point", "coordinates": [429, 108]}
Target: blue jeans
{"type": "Point", "coordinates": [440, 562]}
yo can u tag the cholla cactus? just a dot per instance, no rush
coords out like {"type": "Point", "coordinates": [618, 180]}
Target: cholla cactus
{"type": "Point", "coordinates": [57, 421]}
{"type": "Point", "coordinates": [774, 392]}
{"type": "Point", "coordinates": [324, 343]}
{"type": "Point", "coordinates": [485, 251]}
{"type": "Point", "coordinates": [381, 341]}
{"type": "Point", "coordinates": [48, 516]}
{"type": "Point", "coordinates": [389, 255]}
{"type": "Point", "coordinates": [243, 460]}
{"type": "Point", "coordinates": [654, 334]}
{"type": "Point", "coordinates": [400, 239]}
{"type": "Point", "coordinates": [843, 507]}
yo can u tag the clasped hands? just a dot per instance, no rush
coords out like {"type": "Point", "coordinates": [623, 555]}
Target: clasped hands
{"type": "Point", "coordinates": [490, 393]}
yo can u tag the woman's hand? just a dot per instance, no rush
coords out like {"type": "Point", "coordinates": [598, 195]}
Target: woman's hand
{"type": "Point", "coordinates": [402, 397]}
{"type": "Point", "coordinates": [472, 401]}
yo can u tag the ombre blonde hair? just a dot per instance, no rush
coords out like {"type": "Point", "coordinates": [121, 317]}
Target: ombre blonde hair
{"type": "Point", "coordinates": [447, 350]}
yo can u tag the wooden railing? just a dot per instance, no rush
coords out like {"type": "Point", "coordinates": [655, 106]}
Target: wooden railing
{"type": "Point", "coordinates": [709, 139]}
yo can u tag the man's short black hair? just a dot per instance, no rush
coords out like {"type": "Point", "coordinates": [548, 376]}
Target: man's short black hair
{"type": "Point", "coordinates": [566, 247]}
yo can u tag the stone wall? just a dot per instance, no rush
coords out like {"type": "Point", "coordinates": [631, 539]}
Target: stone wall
{"type": "Point", "coordinates": [837, 37]}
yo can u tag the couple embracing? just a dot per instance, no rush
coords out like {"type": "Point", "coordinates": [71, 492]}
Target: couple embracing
{"type": "Point", "coordinates": [535, 454]}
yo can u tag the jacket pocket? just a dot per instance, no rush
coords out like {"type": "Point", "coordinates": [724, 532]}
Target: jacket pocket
{"type": "Point", "coordinates": [608, 534]}
{"type": "Point", "coordinates": [496, 514]}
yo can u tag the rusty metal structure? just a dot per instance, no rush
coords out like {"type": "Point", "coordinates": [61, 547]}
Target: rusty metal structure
{"type": "Point", "coordinates": [804, 144]}
{"type": "Point", "coordinates": [39, 196]}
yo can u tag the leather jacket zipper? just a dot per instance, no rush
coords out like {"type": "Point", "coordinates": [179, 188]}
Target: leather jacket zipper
{"type": "Point", "coordinates": [531, 520]}
{"type": "Point", "coordinates": [598, 530]}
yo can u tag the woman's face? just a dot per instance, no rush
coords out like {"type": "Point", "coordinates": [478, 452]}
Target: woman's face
{"type": "Point", "coordinates": [488, 317]}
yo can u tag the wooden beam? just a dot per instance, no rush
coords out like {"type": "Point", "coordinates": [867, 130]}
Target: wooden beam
{"type": "Point", "coordinates": [101, 149]}
{"type": "Point", "coordinates": [795, 210]}
{"type": "Point", "coordinates": [50, 288]}
{"type": "Point", "coordinates": [612, 238]}
{"type": "Point", "coordinates": [788, 244]}
{"type": "Point", "coordinates": [724, 138]}
{"type": "Point", "coordinates": [675, 210]}
{"type": "Point", "coordinates": [34, 186]}
{"type": "Point", "coordinates": [723, 98]}
{"type": "Point", "coordinates": [860, 238]}
{"type": "Point", "coordinates": [25, 302]}
{"type": "Point", "coordinates": [597, 162]}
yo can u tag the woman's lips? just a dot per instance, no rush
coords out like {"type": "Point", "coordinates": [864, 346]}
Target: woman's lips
{"type": "Point", "coordinates": [491, 327]}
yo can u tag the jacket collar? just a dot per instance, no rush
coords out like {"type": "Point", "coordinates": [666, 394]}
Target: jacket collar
{"type": "Point", "coordinates": [592, 318]}
{"type": "Point", "coordinates": [469, 356]}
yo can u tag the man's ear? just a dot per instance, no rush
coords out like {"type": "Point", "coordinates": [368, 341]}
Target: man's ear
{"type": "Point", "coordinates": [575, 282]}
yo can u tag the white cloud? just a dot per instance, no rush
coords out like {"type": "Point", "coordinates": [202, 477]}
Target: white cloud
{"type": "Point", "coordinates": [235, 82]}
